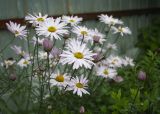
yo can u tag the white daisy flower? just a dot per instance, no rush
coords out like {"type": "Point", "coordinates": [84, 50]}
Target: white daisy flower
{"type": "Point", "coordinates": [7, 63]}
{"type": "Point", "coordinates": [60, 80]}
{"type": "Point", "coordinates": [79, 85]}
{"type": "Point", "coordinates": [121, 30]}
{"type": "Point", "coordinates": [106, 72]}
{"type": "Point", "coordinates": [111, 46]}
{"type": "Point", "coordinates": [77, 54]}
{"type": "Point", "coordinates": [97, 37]}
{"type": "Point", "coordinates": [23, 63]}
{"type": "Point", "coordinates": [18, 30]}
{"type": "Point", "coordinates": [52, 28]}
{"type": "Point", "coordinates": [128, 61]}
{"type": "Point", "coordinates": [36, 19]}
{"type": "Point", "coordinates": [72, 20]}
{"type": "Point", "coordinates": [82, 32]}
{"type": "Point", "coordinates": [113, 62]}
{"type": "Point", "coordinates": [18, 50]}
{"type": "Point", "coordinates": [109, 20]}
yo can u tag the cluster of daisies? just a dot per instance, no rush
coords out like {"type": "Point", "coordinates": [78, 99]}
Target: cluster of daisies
{"type": "Point", "coordinates": [82, 49]}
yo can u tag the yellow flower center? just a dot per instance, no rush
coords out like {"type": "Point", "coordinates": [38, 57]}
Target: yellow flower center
{"type": "Point", "coordinates": [72, 21]}
{"type": "Point", "coordinates": [106, 72]}
{"type": "Point", "coordinates": [16, 32]}
{"type": "Point", "coordinates": [78, 55]}
{"type": "Point", "coordinates": [79, 85]}
{"type": "Point", "coordinates": [120, 29]}
{"type": "Point", "coordinates": [84, 33]}
{"type": "Point", "coordinates": [60, 78]}
{"type": "Point", "coordinates": [25, 62]}
{"type": "Point", "coordinates": [114, 61]}
{"type": "Point", "coordinates": [22, 53]}
{"type": "Point", "coordinates": [40, 19]}
{"type": "Point", "coordinates": [52, 29]}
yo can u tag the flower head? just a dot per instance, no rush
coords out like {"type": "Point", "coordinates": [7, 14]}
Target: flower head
{"type": "Point", "coordinates": [128, 61]}
{"type": "Point", "coordinates": [52, 28]}
{"type": "Point", "coordinates": [72, 20]}
{"type": "Point", "coordinates": [82, 32]}
{"type": "Point", "coordinates": [79, 85]}
{"type": "Point", "coordinates": [97, 37]}
{"type": "Point", "coordinates": [7, 63]}
{"type": "Point", "coordinates": [77, 54]}
{"type": "Point", "coordinates": [109, 20]}
{"type": "Point", "coordinates": [106, 72]}
{"type": "Point", "coordinates": [36, 19]}
{"type": "Point", "coordinates": [23, 62]}
{"type": "Point", "coordinates": [18, 50]}
{"type": "Point", "coordinates": [17, 29]}
{"type": "Point", "coordinates": [121, 30]}
{"type": "Point", "coordinates": [113, 61]}
{"type": "Point", "coordinates": [60, 80]}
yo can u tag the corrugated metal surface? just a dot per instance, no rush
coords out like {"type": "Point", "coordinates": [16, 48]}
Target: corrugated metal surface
{"type": "Point", "coordinates": [19, 8]}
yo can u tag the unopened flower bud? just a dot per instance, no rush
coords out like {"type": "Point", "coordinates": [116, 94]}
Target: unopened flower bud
{"type": "Point", "coordinates": [96, 39]}
{"type": "Point", "coordinates": [47, 45]}
{"type": "Point", "coordinates": [142, 75]}
{"type": "Point", "coordinates": [82, 110]}
{"type": "Point", "coordinates": [56, 52]}
{"type": "Point", "coordinates": [96, 57]}
{"type": "Point", "coordinates": [12, 77]}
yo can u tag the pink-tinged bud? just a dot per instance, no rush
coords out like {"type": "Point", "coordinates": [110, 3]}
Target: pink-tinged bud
{"type": "Point", "coordinates": [96, 39]}
{"type": "Point", "coordinates": [96, 57]}
{"type": "Point", "coordinates": [142, 75]}
{"type": "Point", "coordinates": [56, 52]}
{"type": "Point", "coordinates": [13, 77]}
{"type": "Point", "coordinates": [81, 110]}
{"type": "Point", "coordinates": [47, 45]}
{"type": "Point", "coordinates": [118, 79]}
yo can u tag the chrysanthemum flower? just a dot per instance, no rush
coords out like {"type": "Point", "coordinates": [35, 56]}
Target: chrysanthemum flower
{"type": "Point", "coordinates": [24, 62]}
{"type": "Point", "coordinates": [17, 29]}
{"type": "Point", "coordinates": [7, 63]}
{"type": "Point", "coordinates": [82, 32]}
{"type": "Point", "coordinates": [79, 85]}
{"type": "Point", "coordinates": [52, 28]}
{"type": "Point", "coordinates": [127, 61]}
{"type": "Point", "coordinates": [36, 19]}
{"type": "Point", "coordinates": [97, 37]}
{"type": "Point", "coordinates": [72, 20]}
{"type": "Point", "coordinates": [18, 50]}
{"type": "Point", "coordinates": [60, 80]}
{"type": "Point", "coordinates": [121, 30]}
{"type": "Point", "coordinates": [109, 20]}
{"type": "Point", "coordinates": [77, 54]}
{"type": "Point", "coordinates": [113, 61]}
{"type": "Point", "coordinates": [106, 72]}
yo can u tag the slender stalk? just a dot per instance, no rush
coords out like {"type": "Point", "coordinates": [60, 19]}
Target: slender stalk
{"type": "Point", "coordinates": [49, 87]}
{"type": "Point", "coordinates": [32, 70]}
{"type": "Point", "coordinates": [106, 37]}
